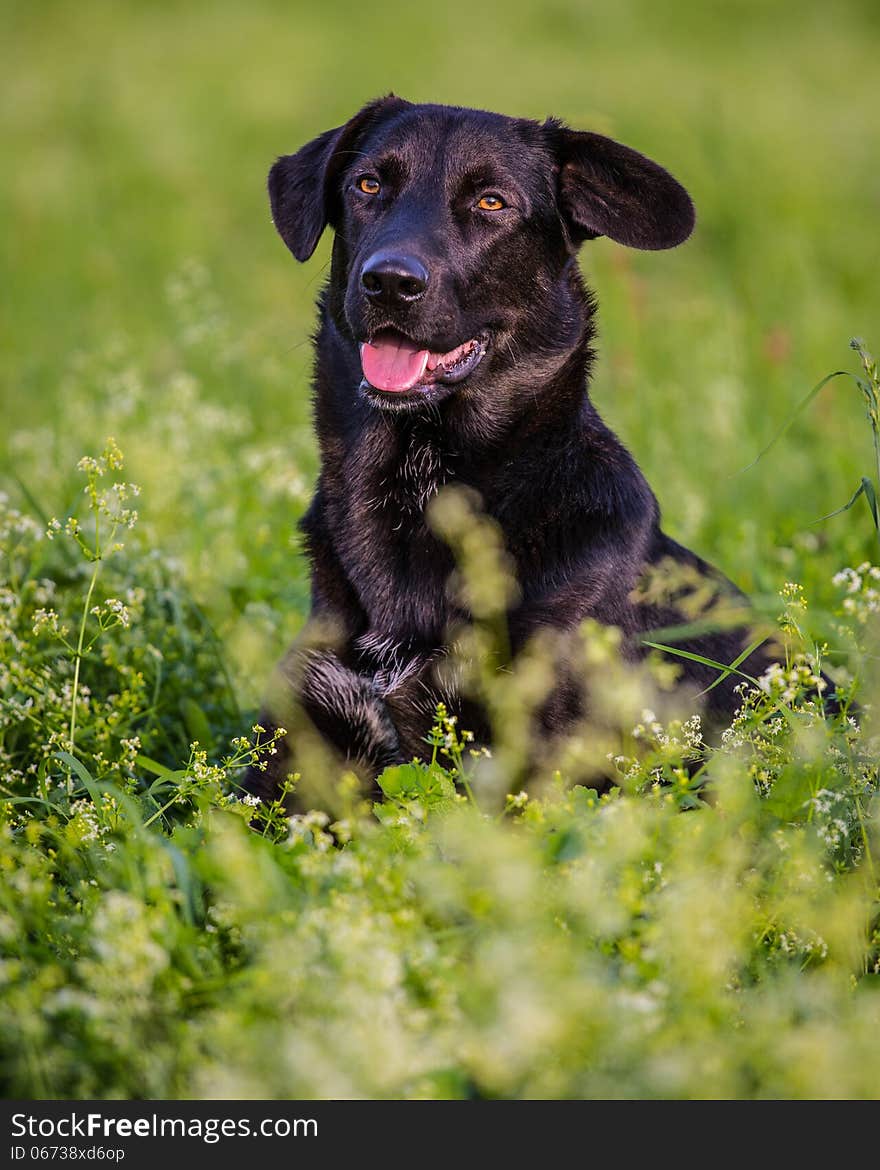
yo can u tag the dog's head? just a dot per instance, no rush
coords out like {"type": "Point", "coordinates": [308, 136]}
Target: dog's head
{"type": "Point", "coordinates": [455, 236]}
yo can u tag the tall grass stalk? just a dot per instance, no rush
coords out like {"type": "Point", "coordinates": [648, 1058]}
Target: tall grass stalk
{"type": "Point", "coordinates": [108, 504]}
{"type": "Point", "coordinates": [870, 388]}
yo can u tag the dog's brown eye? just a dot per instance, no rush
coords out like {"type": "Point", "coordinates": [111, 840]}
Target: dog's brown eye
{"type": "Point", "coordinates": [491, 203]}
{"type": "Point", "coordinates": [369, 185]}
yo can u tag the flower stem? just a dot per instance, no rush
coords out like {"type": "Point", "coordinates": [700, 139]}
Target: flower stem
{"type": "Point", "coordinates": [82, 632]}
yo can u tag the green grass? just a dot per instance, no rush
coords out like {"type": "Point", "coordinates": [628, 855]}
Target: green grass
{"type": "Point", "coordinates": [151, 944]}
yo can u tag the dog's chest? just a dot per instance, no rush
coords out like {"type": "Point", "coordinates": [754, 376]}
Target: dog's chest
{"type": "Point", "coordinates": [397, 565]}
{"type": "Point", "coordinates": [411, 481]}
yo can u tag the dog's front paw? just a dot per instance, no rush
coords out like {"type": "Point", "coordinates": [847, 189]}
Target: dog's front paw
{"type": "Point", "coordinates": [349, 712]}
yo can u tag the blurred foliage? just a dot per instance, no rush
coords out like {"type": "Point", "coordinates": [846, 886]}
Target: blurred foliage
{"type": "Point", "coordinates": [709, 928]}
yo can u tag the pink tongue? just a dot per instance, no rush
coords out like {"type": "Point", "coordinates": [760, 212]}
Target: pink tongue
{"type": "Point", "coordinates": [393, 363]}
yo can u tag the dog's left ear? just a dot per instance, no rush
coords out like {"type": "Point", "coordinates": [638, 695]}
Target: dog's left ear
{"type": "Point", "coordinates": [606, 189]}
{"type": "Point", "coordinates": [302, 186]}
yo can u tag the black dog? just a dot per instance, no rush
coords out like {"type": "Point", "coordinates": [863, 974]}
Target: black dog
{"type": "Point", "coordinates": [454, 348]}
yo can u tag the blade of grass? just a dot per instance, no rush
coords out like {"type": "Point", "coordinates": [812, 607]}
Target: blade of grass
{"type": "Point", "coordinates": [740, 658]}
{"type": "Point", "coordinates": [730, 668]}
{"type": "Point", "coordinates": [871, 497]}
{"type": "Point", "coordinates": [11, 800]}
{"type": "Point", "coordinates": [846, 507]}
{"type": "Point", "coordinates": [96, 789]}
{"type": "Point", "coordinates": [792, 418]}
{"type": "Point", "coordinates": [152, 766]}
{"type": "Point", "coordinates": [720, 666]}
{"type": "Point", "coordinates": [86, 779]}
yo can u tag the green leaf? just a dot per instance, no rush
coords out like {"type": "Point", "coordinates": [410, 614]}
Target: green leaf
{"type": "Point", "coordinates": [426, 783]}
{"type": "Point", "coordinates": [585, 800]}
{"type": "Point", "coordinates": [152, 766]}
{"type": "Point", "coordinates": [88, 781]}
{"type": "Point", "coordinates": [564, 845]}
{"type": "Point", "coordinates": [189, 887]}
{"type": "Point", "coordinates": [165, 777]}
{"type": "Point", "coordinates": [165, 782]}
{"type": "Point", "coordinates": [401, 780]}
{"type": "Point", "coordinates": [788, 797]}
{"type": "Point", "coordinates": [197, 726]}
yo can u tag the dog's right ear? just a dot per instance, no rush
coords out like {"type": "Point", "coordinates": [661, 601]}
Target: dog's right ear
{"type": "Point", "coordinates": [302, 186]}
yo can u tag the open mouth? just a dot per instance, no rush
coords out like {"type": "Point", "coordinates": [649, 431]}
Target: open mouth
{"type": "Point", "coordinates": [394, 364]}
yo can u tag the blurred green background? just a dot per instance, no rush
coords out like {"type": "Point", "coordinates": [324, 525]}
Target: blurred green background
{"type": "Point", "coordinates": [138, 251]}
{"type": "Point", "coordinates": [607, 949]}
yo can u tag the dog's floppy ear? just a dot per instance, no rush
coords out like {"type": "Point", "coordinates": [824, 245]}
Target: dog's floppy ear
{"type": "Point", "coordinates": [606, 189]}
{"type": "Point", "coordinates": [302, 185]}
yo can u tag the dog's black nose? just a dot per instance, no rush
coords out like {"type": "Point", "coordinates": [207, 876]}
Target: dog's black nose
{"type": "Point", "coordinates": [389, 276]}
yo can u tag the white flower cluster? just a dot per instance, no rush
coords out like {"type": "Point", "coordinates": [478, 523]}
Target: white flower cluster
{"type": "Point", "coordinates": [684, 736]}
{"type": "Point", "coordinates": [112, 612]}
{"type": "Point", "coordinates": [833, 817]}
{"type": "Point", "coordinates": [648, 727]}
{"type": "Point", "coordinates": [84, 821]}
{"type": "Point", "coordinates": [311, 828]}
{"type": "Point", "coordinates": [13, 524]}
{"type": "Point", "coordinates": [807, 944]}
{"type": "Point", "coordinates": [862, 589]}
{"type": "Point", "coordinates": [789, 683]}
{"type": "Point", "coordinates": [47, 620]}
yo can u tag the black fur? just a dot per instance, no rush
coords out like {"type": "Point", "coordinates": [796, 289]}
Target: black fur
{"type": "Point", "coordinates": [579, 520]}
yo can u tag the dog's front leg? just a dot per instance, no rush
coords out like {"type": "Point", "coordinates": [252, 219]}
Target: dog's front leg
{"type": "Point", "coordinates": [335, 719]}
